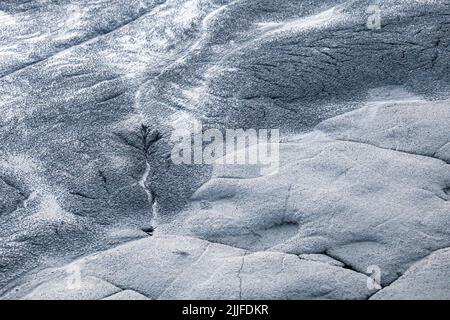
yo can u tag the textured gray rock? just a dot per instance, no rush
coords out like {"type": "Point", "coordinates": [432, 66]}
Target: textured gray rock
{"type": "Point", "coordinates": [171, 267]}
{"type": "Point", "coordinates": [362, 204]}
{"type": "Point", "coordinates": [406, 127]}
{"type": "Point", "coordinates": [427, 279]}
{"type": "Point", "coordinates": [92, 288]}
{"type": "Point", "coordinates": [91, 91]}
{"type": "Point", "coordinates": [126, 295]}
{"type": "Point", "coordinates": [342, 206]}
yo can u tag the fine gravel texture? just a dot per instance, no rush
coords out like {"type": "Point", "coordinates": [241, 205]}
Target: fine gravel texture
{"type": "Point", "coordinates": [92, 205]}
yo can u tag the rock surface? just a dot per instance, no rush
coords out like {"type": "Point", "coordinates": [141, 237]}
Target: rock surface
{"type": "Point", "coordinates": [90, 92]}
{"type": "Point", "coordinates": [426, 280]}
{"type": "Point", "coordinates": [359, 203]}
{"type": "Point", "coordinates": [314, 228]}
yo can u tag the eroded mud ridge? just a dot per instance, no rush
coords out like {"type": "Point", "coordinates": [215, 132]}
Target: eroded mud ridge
{"type": "Point", "coordinates": [93, 207]}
